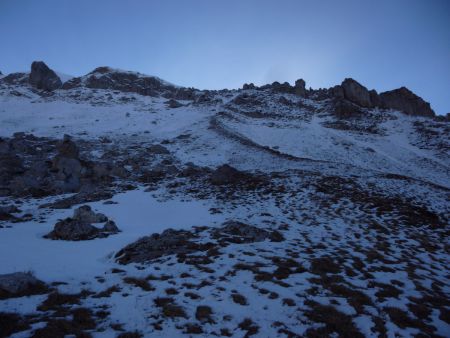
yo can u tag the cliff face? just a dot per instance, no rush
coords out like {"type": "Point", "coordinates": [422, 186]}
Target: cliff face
{"type": "Point", "coordinates": [406, 101]}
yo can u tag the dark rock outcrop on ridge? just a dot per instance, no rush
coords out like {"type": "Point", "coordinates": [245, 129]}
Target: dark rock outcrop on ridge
{"type": "Point", "coordinates": [43, 77]}
{"type": "Point", "coordinates": [406, 101]}
{"type": "Point", "coordinates": [357, 93]}
{"type": "Point", "coordinates": [108, 78]}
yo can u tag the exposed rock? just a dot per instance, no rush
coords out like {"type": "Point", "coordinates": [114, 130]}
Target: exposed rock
{"type": "Point", "coordinates": [20, 284]}
{"type": "Point", "coordinates": [337, 91]}
{"type": "Point", "coordinates": [374, 98]}
{"type": "Point", "coordinates": [357, 93]}
{"type": "Point", "coordinates": [238, 232]}
{"type": "Point", "coordinates": [169, 242]}
{"type": "Point", "coordinates": [183, 242]}
{"type": "Point", "coordinates": [67, 148]}
{"type": "Point", "coordinates": [78, 227]}
{"type": "Point", "coordinates": [7, 211]}
{"type": "Point", "coordinates": [84, 214]}
{"type": "Point", "coordinates": [226, 174]}
{"type": "Point", "coordinates": [108, 78]}
{"type": "Point", "coordinates": [299, 88]}
{"type": "Point", "coordinates": [16, 78]}
{"type": "Point", "coordinates": [67, 165]}
{"type": "Point", "coordinates": [247, 100]}
{"type": "Point", "coordinates": [43, 77]}
{"type": "Point", "coordinates": [191, 170]}
{"type": "Point", "coordinates": [284, 87]}
{"type": "Point", "coordinates": [345, 109]}
{"type": "Point", "coordinates": [158, 149]}
{"type": "Point", "coordinates": [248, 86]}
{"type": "Point", "coordinates": [173, 103]}
{"type": "Point", "coordinates": [406, 101]}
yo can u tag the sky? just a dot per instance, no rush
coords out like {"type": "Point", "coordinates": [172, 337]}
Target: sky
{"type": "Point", "coordinates": [212, 44]}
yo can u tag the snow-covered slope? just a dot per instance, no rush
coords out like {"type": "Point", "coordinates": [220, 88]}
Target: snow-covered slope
{"type": "Point", "coordinates": [350, 210]}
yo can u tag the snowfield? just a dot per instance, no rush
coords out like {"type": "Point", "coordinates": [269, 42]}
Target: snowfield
{"type": "Point", "coordinates": [346, 219]}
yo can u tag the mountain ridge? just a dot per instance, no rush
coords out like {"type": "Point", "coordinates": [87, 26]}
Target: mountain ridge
{"type": "Point", "coordinates": [104, 77]}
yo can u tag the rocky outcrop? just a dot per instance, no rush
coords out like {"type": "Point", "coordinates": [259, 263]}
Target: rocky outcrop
{"type": "Point", "coordinates": [374, 98]}
{"type": "Point", "coordinates": [226, 174]}
{"type": "Point", "coordinates": [184, 242]}
{"type": "Point", "coordinates": [43, 77]}
{"type": "Point", "coordinates": [67, 165]}
{"type": "Point", "coordinates": [7, 211]}
{"type": "Point", "coordinates": [238, 232]}
{"type": "Point", "coordinates": [344, 109]}
{"type": "Point", "coordinates": [248, 86]}
{"type": "Point", "coordinates": [299, 88]}
{"type": "Point", "coordinates": [16, 79]}
{"type": "Point", "coordinates": [173, 104]}
{"type": "Point", "coordinates": [79, 227]}
{"type": "Point", "coordinates": [158, 149]}
{"type": "Point", "coordinates": [284, 87]}
{"type": "Point", "coordinates": [132, 82]}
{"type": "Point", "coordinates": [406, 101]}
{"type": "Point", "coordinates": [356, 93]}
{"type": "Point", "coordinates": [20, 284]}
{"type": "Point", "coordinates": [169, 242]}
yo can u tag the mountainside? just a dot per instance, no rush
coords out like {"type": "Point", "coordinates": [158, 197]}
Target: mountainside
{"type": "Point", "coordinates": [291, 212]}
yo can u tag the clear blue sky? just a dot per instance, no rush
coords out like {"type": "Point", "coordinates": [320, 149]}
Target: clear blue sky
{"type": "Point", "coordinates": [216, 44]}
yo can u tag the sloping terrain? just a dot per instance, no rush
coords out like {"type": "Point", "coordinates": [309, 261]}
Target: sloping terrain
{"type": "Point", "coordinates": [269, 212]}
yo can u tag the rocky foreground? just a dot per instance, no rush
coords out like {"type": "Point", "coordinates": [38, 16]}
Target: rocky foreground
{"type": "Point", "coordinates": [131, 207]}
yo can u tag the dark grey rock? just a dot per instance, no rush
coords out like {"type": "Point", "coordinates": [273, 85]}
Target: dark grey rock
{"type": "Point", "coordinates": [337, 91]}
{"type": "Point", "coordinates": [345, 109]}
{"type": "Point", "coordinates": [226, 174]}
{"type": "Point", "coordinates": [173, 103]}
{"type": "Point", "coordinates": [238, 232]}
{"type": "Point", "coordinates": [356, 93]}
{"type": "Point", "coordinates": [108, 78]}
{"type": "Point", "coordinates": [16, 79]}
{"type": "Point", "coordinates": [183, 242]}
{"type": "Point", "coordinates": [43, 77]}
{"type": "Point", "coordinates": [248, 86]}
{"type": "Point", "coordinates": [375, 98]}
{"type": "Point", "coordinates": [67, 166]}
{"type": "Point", "coordinates": [85, 214]}
{"type": "Point", "coordinates": [158, 149]}
{"type": "Point", "coordinates": [79, 227]}
{"type": "Point", "coordinates": [406, 101]}
{"type": "Point", "coordinates": [169, 242]}
{"type": "Point", "coordinates": [299, 88]}
{"type": "Point", "coordinates": [19, 284]}
{"type": "Point", "coordinates": [284, 87]}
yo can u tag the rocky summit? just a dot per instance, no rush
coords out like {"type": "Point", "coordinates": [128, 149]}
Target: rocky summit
{"type": "Point", "coordinates": [133, 207]}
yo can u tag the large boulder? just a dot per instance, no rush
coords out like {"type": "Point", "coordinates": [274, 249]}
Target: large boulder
{"type": "Point", "coordinates": [19, 284]}
{"type": "Point", "coordinates": [357, 93]}
{"type": "Point", "coordinates": [43, 77]}
{"type": "Point", "coordinates": [79, 227]}
{"type": "Point", "coordinates": [406, 101]}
